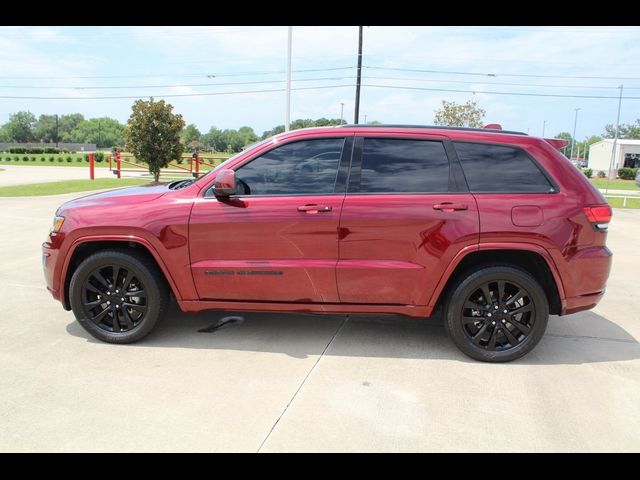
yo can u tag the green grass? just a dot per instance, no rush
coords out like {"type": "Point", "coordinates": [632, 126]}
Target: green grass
{"type": "Point", "coordinates": [79, 161]}
{"type": "Point", "coordinates": [67, 186]}
{"type": "Point", "coordinates": [617, 184]}
{"type": "Point", "coordinates": [617, 202]}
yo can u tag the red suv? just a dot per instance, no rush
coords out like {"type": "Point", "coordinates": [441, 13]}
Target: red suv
{"type": "Point", "coordinates": [496, 229]}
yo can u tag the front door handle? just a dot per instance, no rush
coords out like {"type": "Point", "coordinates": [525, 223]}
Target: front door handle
{"type": "Point", "coordinates": [315, 208]}
{"type": "Point", "coordinates": [450, 207]}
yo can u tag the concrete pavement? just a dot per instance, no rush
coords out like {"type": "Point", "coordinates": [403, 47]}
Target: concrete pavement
{"type": "Point", "coordinates": [308, 383]}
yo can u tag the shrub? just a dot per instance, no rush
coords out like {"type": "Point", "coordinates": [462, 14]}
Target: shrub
{"type": "Point", "coordinates": [16, 158]}
{"type": "Point", "coordinates": [51, 150]}
{"type": "Point", "coordinates": [69, 159]}
{"type": "Point", "coordinates": [627, 173]}
{"type": "Point", "coordinates": [98, 156]}
{"type": "Point", "coordinates": [17, 150]}
{"type": "Point", "coordinates": [52, 158]}
{"type": "Point", "coordinates": [60, 159]}
{"type": "Point", "coordinates": [588, 172]}
{"type": "Point", "coordinates": [602, 174]}
{"type": "Point", "coordinates": [36, 150]}
{"type": "Point", "coordinates": [25, 159]}
{"type": "Point", "coordinates": [33, 159]}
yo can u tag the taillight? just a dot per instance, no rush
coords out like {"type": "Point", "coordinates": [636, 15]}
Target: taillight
{"type": "Point", "coordinates": [599, 216]}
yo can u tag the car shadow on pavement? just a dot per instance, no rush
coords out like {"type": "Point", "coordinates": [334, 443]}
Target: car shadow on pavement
{"type": "Point", "coordinates": [578, 339]}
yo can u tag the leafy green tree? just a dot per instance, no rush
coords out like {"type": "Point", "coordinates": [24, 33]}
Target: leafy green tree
{"type": "Point", "coordinates": [154, 134]}
{"type": "Point", "coordinates": [190, 134]}
{"type": "Point", "coordinates": [4, 134]}
{"type": "Point", "coordinates": [21, 127]}
{"type": "Point", "coordinates": [229, 139]}
{"type": "Point", "coordinates": [627, 130]}
{"type": "Point", "coordinates": [304, 123]}
{"type": "Point", "coordinates": [45, 128]}
{"type": "Point", "coordinates": [468, 114]}
{"type": "Point", "coordinates": [104, 132]}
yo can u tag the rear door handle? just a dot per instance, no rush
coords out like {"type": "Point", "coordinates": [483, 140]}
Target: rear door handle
{"type": "Point", "coordinates": [315, 208]}
{"type": "Point", "coordinates": [450, 207]}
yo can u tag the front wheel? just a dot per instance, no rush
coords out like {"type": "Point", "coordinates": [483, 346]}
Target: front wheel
{"type": "Point", "coordinates": [497, 314]}
{"type": "Point", "coordinates": [118, 297]}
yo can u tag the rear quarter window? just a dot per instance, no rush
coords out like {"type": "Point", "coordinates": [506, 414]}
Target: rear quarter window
{"type": "Point", "coordinates": [492, 168]}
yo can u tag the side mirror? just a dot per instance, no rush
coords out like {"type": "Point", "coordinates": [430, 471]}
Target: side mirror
{"type": "Point", "coordinates": [225, 183]}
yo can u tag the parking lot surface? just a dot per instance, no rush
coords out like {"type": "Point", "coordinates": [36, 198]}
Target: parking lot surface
{"type": "Point", "coordinates": [277, 382]}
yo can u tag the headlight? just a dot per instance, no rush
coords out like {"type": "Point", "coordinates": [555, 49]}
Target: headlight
{"type": "Point", "coordinates": [57, 224]}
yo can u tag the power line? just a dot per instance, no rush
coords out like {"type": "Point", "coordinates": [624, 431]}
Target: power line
{"type": "Point", "coordinates": [496, 93]}
{"type": "Point", "coordinates": [435, 80]}
{"type": "Point", "coordinates": [172, 85]}
{"type": "Point", "coordinates": [500, 74]}
{"type": "Point", "coordinates": [164, 75]}
{"type": "Point", "coordinates": [176, 94]}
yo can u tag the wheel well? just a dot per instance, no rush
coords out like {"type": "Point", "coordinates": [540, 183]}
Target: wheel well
{"type": "Point", "coordinates": [86, 249]}
{"type": "Point", "coordinates": [531, 262]}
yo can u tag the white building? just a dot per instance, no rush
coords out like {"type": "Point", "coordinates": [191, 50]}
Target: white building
{"type": "Point", "coordinates": [627, 154]}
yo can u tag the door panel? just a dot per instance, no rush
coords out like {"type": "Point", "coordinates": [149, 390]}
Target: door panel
{"type": "Point", "coordinates": [276, 240]}
{"type": "Point", "coordinates": [394, 248]}
{"type": "Point", "coordinates": [265, 249]}
{"type": "Point", "coordinates": [405, 216]}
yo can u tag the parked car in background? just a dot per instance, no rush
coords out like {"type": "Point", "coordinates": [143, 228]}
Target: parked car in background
{"type": "Point", "coordinates": [495, 229]}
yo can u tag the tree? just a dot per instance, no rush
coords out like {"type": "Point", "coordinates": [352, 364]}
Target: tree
{"type": "Point", "coordinates": [190, 134]}
{"type": "Point", "coordinates": [153, 135]}
{"type": "Point", "coordinates": [466, 115]}
{"type": "Point", "coordinates": [566, 150]}
{"type": "Point", "coordinates": [20, 127]}
{"type": "Point", "coordinates": [4, 135]}
{"type": "Point", "coordinates": [104, 132]}
{"type": "Point", "coordinates": [45, 129]}
{"type": "Point", "coordinates": [627, 130]}
{"type": "Point", "coordinates": [304, 123]}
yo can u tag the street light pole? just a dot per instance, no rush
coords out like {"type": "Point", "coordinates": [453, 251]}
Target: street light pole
{"type": "Point", "coordinates": [341, 113]}
{"type": "Point", "coordinates": [288, 113]}
{"type": "Point", "coordinates": [615, 141]}
{"type": "Point", "coordinates": [56, 130]}
{"type": "Point", "coordinates": [544, 124]}
{"type": "Point", "coordinates": [573, 137]}
{"type": "Point", "coordinates": [356, 115]}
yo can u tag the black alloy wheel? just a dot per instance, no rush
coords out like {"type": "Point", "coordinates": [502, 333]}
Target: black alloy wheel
{"type": "Point", "coordinates": [496, 313]}
{"type": "Point", "coordinates": [118, 295]}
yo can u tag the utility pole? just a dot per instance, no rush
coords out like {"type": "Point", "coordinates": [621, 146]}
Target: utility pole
{"type": "Point", "coordinates": [56, 130]}
{"type": "Point", "coordinates": [288, 117]}
{"type": "Point", "coordinates": [356, 116]}
{"type": "Point", "coordinates": [544, 124]}
{"type": "Point", "coordinates": [615, 141]}
{"type": "Point", "coordinates": [573, 137]}
{"type": "Point", "coordinates": [99, 135]}
{"type": "Point", "coordinates": [365, 119]}
{"type": "Point", "coordinates": [341, 113]}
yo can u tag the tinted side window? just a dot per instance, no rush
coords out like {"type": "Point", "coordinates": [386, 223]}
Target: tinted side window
{"type": "Point", "coordinates": [498, 168]}
{"type": "Point", "coordinates": [305, 167]}
{"type": "Point", "coordinates": [398, 165]}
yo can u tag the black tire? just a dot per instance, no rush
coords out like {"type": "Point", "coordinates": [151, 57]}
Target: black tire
{"type": "Point", "coordinates": [490, 334]}
{"type": "Point", "coordinates": [143, 301]}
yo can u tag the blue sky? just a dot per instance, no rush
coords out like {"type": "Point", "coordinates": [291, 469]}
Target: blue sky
{"type": "Point", "coordinates": [143, 61]}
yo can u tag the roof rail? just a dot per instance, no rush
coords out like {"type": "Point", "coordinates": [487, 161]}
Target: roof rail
{"type": "Point", "coordinates": [488, 128]}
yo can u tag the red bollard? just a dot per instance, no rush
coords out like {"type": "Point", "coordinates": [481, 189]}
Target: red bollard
{"type": "Point", "coordinates": [92, 175]}
{"type": "Point", "coordinates": [118, 164]}
{"type": "Point", "coordinates": [197, 165]}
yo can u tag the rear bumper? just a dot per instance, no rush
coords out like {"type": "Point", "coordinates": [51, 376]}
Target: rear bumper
{"type": "Point", "coordinates": [581, 302]}
{"type": "Point", "coordinates": [585, 279]}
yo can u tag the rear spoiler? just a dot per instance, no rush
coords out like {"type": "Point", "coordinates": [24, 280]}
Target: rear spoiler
{"type": "Point", "coordinates": [558, 143]}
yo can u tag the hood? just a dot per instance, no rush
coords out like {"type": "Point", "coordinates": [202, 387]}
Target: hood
{"type": "Point", "coordinates": [120, 196]}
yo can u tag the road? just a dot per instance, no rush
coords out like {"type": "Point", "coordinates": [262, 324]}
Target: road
{"type": "Point", "coordinates": [299, 383]}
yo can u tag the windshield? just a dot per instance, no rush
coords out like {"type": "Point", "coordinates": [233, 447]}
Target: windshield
{"type": "Point", "coordinates": [251, 147]}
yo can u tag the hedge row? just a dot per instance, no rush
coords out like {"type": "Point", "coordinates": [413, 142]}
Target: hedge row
{"type": "Point", "coordinates": [627, 173]}
{"type": "Point", "coordinates": [37, 150]}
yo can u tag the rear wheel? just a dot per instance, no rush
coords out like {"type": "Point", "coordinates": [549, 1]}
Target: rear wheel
{"type": "Point", "coordinates": [118, 297]}
{"type": "Point", "coordinates": [497, 314]}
